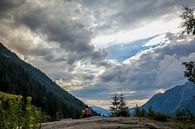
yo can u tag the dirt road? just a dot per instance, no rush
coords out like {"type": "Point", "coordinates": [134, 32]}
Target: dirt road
{"type": "Point", "coordinates": [110, 123]}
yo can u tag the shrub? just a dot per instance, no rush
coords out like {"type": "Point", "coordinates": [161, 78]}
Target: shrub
{"type": "Point", "coordinates": [16, 113]}
{"type": "Point", "coordinates": [184, 115]}
{"type": "Point", "coordinates": [160, 117]}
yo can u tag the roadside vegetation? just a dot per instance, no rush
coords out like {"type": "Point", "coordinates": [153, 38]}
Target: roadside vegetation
{"type": "Point", "coordinates": [18, 113]}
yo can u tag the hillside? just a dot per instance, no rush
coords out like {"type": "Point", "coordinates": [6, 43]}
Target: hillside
{"type": "Point", "coordinates": [173, 99]}
{"type": "Point", "coordinates": [21, 78]}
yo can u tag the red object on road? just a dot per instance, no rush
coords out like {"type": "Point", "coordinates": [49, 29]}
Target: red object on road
{"type": "Point", "coordinates": [86, 112]}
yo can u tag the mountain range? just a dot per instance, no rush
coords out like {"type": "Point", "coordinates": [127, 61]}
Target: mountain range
{"type": "Point", "coordinates": [101, 111]}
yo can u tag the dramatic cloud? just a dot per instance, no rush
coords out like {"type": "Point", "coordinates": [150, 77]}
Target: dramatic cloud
{"type": "Point", "coordinates": [156, 68]}
{"type": "Point", "coordinates": [51, 34]}
{"type": "Point", "coordinates": [68, 40]}
{"type": "Point", "coordinates": [110, 16]}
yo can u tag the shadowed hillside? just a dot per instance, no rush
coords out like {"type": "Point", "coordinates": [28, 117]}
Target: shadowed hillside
{"type": "Point", "coordinates": [21, 78]}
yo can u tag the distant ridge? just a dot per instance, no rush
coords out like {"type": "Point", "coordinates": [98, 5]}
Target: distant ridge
{"type": "Point", "coordinates": [101, 111]}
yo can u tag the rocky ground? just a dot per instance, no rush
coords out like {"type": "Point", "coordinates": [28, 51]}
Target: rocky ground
{"type": "Point", "coordinates": [115, 123]}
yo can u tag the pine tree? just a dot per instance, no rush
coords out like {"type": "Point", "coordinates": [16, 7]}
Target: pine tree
{"type": "Point", "coordinates": [115, 105]}
{"type": "Point", "coordinates": [119, 107]}
{"type": "Point", "coordinates": [123, 109]}
{"type": "Point", "coordinates": [138, 111]}
{"type": "Point", "coordinates": [150, 112]}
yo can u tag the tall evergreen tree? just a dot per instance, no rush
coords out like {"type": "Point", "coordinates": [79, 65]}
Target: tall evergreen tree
{"type": "Point", "coordinates": [137, 111]}
{"type": "Point", "coordinates": [115, 105]}
{"type": "Point", "coordinates": [150, 112]}
{"type": "Point", "coordinates": [123, 109]}
{"type": "Point", "coordinates": [118, 106]}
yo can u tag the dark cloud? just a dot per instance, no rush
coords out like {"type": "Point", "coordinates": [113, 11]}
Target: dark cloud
{"type": "Point", "coordinates": [118, 15]}
{"type": "Point", "coordinates": [7, 5]}
{"type": "Point", "coordinates": [72, 35]}
{"type": "Point", "coordinates": [60, 22]}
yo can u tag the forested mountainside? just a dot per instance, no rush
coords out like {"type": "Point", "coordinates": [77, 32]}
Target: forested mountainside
{"type": "Point", "coordinates": [172, 100]}
{"type": "Point", "coordinates": [18, 77]}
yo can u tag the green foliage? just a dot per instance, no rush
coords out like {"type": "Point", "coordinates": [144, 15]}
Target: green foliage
{"type": "Point", "coordinates": [15, 113]}
{"type": "Point", "coordinates": [119, 107]}
{"type": "Point", "coordinates": [123, 109]}
{"type": "Point", "coordinates": [184, 115]}
{"type": "Point", "coordinates": [188, 20]}
{"type": "Point", "coordinates": [115, 105]}
{"type": "Point", "coordinates": [190, 71]}
{"type": "Point", "coordinates": [149, 113]}
{"type": "Point", "coordinates": [139, 112]}
{"type": "Point", "coordinates": [160, 117]}
{"type": "Point", "coordinates": [156, 115]}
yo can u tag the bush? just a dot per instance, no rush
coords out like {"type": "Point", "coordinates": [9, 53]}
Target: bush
{"type": "Point", "coordinates": [160, 117]}
{"type": "Point", "coordinates": [155, 115]}
{"type": "Point", "coordinates": [16, 113]}
{"type": "Point", "coordinates": [184, 115]}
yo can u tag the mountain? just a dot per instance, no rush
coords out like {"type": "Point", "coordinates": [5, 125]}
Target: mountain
{"type": "Point", "coordinates": [18, 77]}
{"type": "Point", "coordinates": [101, 111]}
{"type": "Point", "coordinates": [170, 101]}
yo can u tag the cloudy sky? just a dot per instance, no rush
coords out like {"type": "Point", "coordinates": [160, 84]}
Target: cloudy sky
{"type": "Point", "coordinates": [94, 48]}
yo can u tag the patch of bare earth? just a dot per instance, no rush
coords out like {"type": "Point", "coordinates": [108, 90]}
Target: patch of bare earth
{"type": "Point", "coordinates": [111, 123]}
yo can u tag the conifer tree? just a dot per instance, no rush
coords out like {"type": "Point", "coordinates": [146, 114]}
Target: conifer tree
{"type": "Point", "coordinates": [150, 112]}
{"type": "Point", "coordinates": [123, 109]}
{"type": "Point", "coordinates": [137, 111]}
{"type": "Point", "coordinates": [118, 106]}
{"type": "Point", "coordinates": [115, 105]}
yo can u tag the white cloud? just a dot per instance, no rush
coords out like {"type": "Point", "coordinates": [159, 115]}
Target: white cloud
{"type": "Point", "coordinates": [145, 31]}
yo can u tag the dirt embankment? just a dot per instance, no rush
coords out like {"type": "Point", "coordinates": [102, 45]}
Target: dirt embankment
{"type": "Point", "coordinates": [112, 123]}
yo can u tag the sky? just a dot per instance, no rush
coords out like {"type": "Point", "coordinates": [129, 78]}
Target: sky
{"type": "Point", "coordinates": [95, 48]}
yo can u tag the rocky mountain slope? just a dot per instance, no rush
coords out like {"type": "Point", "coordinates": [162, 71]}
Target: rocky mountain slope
{"type": "Point", "coordinates": [170, 101]}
